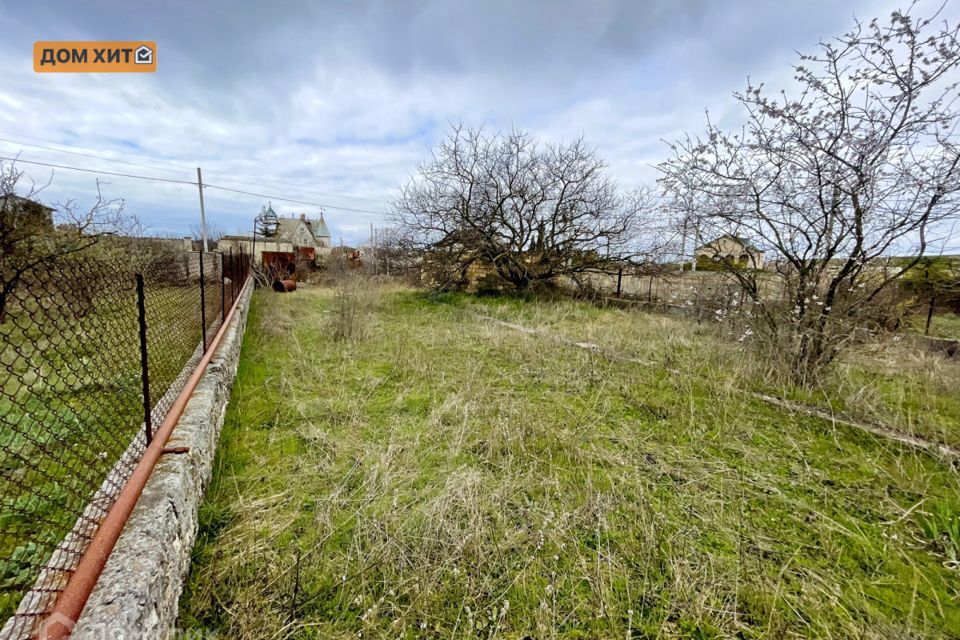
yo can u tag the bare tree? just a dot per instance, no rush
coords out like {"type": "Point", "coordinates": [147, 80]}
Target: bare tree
{"type": "Point", "coordinates": [532, 211]}
{"type": "Point", "coordinates": [33, 236]}
{"type": "Point", "coordinates": [214, 232]}
{"type": "Point", "coordinates": [394, 253]}
{"type": "Point", "coordinates": [861, 163]}
{"type": "Point", "coordinates": [271, 273]}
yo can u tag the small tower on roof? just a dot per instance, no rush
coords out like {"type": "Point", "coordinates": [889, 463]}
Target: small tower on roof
{"type": "Point", "coordinates": [320, 230]}
{"type": "Point", "coordinates": [268, 222]}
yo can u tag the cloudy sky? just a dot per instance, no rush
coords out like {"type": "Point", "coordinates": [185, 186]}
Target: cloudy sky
{"type": "Point", "coordinates": [335, 103]}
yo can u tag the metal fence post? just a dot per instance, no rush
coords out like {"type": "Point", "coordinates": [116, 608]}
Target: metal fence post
{"type": "Point", "coordinates": [144, 361]}
{"type": "Point", "coordinates": [203, 306]}
{"type": "Point", "coordinates": [223, 290]}
{"type": "Point", "coordinates": [619, 280]}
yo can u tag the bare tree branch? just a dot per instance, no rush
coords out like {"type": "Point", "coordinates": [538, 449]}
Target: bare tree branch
{"type": "Point", "coordinates": [861, 164]}
{"type": "Point", "coordinates": [532, 211]}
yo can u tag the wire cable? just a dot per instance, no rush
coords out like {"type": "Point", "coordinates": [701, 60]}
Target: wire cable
{"type": "Point", "coordinates": [90, 155]}
{"type": "Point", "coordinates": [98, 171]}
{"type": "Point", "coordinates": [173, 166]}
{"type": "Point", "coordinates": [281, 185]}
{"type": "Point", "coordinates": [171, 163]}
{"type": "Point", "coordinates": [280, 199]}
{"type": "Point", "coordinates": [188, 182]}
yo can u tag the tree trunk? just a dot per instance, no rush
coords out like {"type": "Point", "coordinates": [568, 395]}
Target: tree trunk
{"type": "Point", "coordinates": [814, 354]}
{"type": "Point", "coordinates": [930, 305]}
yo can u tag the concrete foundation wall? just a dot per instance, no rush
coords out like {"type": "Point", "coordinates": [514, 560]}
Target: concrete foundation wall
{"type": "Point", "coordinates": [137, 594]}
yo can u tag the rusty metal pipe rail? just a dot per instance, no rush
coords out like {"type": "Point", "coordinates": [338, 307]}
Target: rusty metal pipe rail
{"type": "Point", "coordinates": [74, 597]}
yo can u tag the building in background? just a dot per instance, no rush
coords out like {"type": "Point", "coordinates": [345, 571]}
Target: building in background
{"type": "Point", "coordinates": [18, 215]}
{"type": "Point", "coordinates": [731, 249]}
{"type": "Point", "coordinates": [290, 240]}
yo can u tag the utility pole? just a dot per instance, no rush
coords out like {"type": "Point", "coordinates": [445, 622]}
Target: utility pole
{"type": "Point", "coordinates": [253, 252]}
{"type": "Point", "coordinates": [203, 215]}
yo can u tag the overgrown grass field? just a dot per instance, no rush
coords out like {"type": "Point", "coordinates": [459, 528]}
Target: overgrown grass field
{"type": "Point", "coordinates": [436, 474]}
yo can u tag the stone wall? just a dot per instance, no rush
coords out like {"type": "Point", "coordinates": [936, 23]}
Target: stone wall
{"type": "Point", "coordinates": [137, 595]}
{"type": "Point", "coordinates": [482, 277]}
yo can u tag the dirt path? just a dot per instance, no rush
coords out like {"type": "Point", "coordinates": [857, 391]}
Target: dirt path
{"type": "Point", "coordinates": [879, 430]}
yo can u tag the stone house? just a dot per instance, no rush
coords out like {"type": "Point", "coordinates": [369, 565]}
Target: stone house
{"type": "Point", "coordinates": [17, 212]}
{"type": "Point", "coordinates": [296, 239]}
{"type": "Point", "coordinates": [733, 249]}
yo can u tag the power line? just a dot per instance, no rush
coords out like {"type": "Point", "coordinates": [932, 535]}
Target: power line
{"type": "Point", "coordinates": [290, 185]}
{"type": "Point", "coordinates": [188, 182]}
{"type": "Point", "coordinates": [97, 171]}
{"type": "Point", "coordinates": [312, 204]}
{"type": "Point", "coordinates": [90, 155]}
{"type": "Point", "coordinates": [174, 166]}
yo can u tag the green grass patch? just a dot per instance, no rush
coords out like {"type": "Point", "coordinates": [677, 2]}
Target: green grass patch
{"type": "Point", "coordinates": [942, 325]}
{"type": "Point", "coordinates": [447, 477]}
{"type": "Point", "coordinates": [71, 404]}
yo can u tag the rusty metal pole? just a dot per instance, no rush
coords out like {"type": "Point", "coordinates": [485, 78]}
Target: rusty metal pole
{"type": "Point", "coordinates": [203, 306]}
{"type": "Point", "coordinates": [144, 360]}
{"type": "Point", "coordinates": [70, 603]}
{"type": "Point", "coordinates": [619, 280]}
{"type": "Point", "coordinates": [223, 291]}
{"type": "Point", "coordinates": [242, 262]}
{"type": "Point", "coordinates": [254, 248]}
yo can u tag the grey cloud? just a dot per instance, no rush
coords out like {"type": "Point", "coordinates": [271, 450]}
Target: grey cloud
{"type": "Point", "coordinates": [346, 97]}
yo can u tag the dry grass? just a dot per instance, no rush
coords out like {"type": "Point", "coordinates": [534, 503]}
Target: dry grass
{"type": "Point", "coordinates": [353, 303]}
{"type": "Point", "coordinates": [884, 381]}
{"type": "Point", "coordinates": [446, 477]}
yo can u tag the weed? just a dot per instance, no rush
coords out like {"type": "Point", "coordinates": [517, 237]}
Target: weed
{"type": "Point", "coordinates": [353, 302]}
{"type": "Point", "coordinates": [941, 526]}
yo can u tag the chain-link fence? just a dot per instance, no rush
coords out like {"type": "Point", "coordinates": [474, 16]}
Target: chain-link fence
{"type": "Point", "coordinates": [93, 352]}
